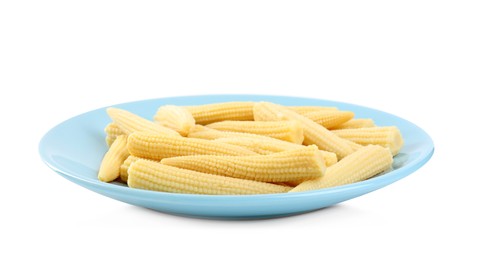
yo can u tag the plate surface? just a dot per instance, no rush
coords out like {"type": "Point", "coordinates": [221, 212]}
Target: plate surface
{"type": "Point", "coordinates": [74, 149]}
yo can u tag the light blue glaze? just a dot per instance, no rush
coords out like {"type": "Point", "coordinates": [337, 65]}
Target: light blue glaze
{"type": "Point", "coordinates": [74, 149]}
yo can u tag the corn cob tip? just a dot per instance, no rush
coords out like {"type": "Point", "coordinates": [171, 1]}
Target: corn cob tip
{"type": "Point", "coordinates": [175, 117]}
{"type": "Point", "coordinates": [111, 111]}
{"type": "Point", "coordinates": [112, 160]}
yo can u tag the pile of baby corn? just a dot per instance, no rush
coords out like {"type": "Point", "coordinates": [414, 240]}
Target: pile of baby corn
{"type": "Point", "coordinates": [238, 148]}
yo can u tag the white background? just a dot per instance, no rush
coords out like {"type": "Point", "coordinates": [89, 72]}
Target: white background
{"type": "Point", "coordinates": [416, 59]}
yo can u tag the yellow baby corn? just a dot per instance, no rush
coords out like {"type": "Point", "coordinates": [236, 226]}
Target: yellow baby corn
{"type": "Point", "coordinates": [260, 144]}
{"type": "Point", "coordinates": [257, 143]}
{"type": "Point", "coordinates": [267, 145]}
{"type": "Point", "coordinates": [298, 164]}
{"type": "Point", "coordinates": [307, 109]}
{"type": "Point", "coordinates": [360, 165]}
{"type": "Point", "coordinates": [353, 145]}
{"type": "Point", "coordinates": [149, 175]}
{"type": "Point", "coordinates": [388, 136]}
{"type": "Point", "coordinates": [314, 133]}
{"type": "Point", "coordinates": [290, 131]}
{"type": "Point", "coordinates": [277, 152]}
{"type": "Point", "coordinates": [176, 118]}
{"type": "Point", "coordinates": [203, 132]}
{"type": "Point", "coordinates": [210, 113]}
{"type": "Point", "coordinates": [356, 123]}
{"type": "Point", "coordinates": [329, 157]}
{"type": "Point", "coordinates": [112, 160]}
{"type": "Point", "coordinates": [330, 118]}
{"type": "Point", "coordinates": [242, 139]}
{"type": "Point", "coordinates": [129, 123]}
{"type": "Point", "coordinates": [156, 147]}
{"type": "Point", "coordinates": [123, 170]}
{"type": "Point", "coordinates": [112, 131]}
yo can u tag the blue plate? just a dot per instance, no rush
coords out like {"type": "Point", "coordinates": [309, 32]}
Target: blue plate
{"type": "Point", "coordinates": [74, 149]}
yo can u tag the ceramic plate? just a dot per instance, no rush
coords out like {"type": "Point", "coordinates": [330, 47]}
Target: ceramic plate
{"type": "Point", "coordinates": [74, 149]}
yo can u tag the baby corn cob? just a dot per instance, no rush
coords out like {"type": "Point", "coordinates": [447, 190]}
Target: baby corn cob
{"type": "Point", "coordinates": [267, 145]}
{"type": "Point", "coordinates": [352, 144]}
{"type": "Point", "coordinates": [123, 171]}
{"type": "Point", "coordinates": [298, 164]}
{"type": "Point", "coordinates": [129, 123]}
{"type": "Point", "coordinates": [388, 136]}
{"type": "Point", "coordinates": [360, 165]}
{"type": "Point", "coordinates": [260, 144]}
{"type": "Point", "coordinates": [149, 175]}
{"type": "Point", "coordinates": [307, 109]}
{"type": "Point", "coordinates": [329, 118]}
{"type": "Point", "coordinates": [156, 147]}
{"type": "Point", "coordinates": [112, 131]}
{"type": "Point", "coordinates": [203, 132]}
{"type": "Point", "coordinates": [112, 160]}
{"type": "Point", "coordinates": [176, 118]}
{"type": "Point", "coordinates": [314, 133]}
{"type": "Point", "coordinates": [290, 131]}
{"type": "Point", "coordinates": [210, 113]}
{"type": "Point", "coordinates": [356, 123]}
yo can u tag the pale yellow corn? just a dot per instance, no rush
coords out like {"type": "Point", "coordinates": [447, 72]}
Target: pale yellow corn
{"type": "Point", "coordinates": [329, 157]}
{"type": "Point", "coordinates": [290, 131]}
{"type": "Point", "coordinates": [352, 144]}
{"type": "Point", "coordinates": [156, 147]}
{"type": "Point", "coordinates": [360, 165]}
{"type": "Point", "coordinates": [203, 132]}
{"type": "Point", "coordinates": [260, 144]}
{"type": "Point", "coordinates": [175, 117]}
{"type": "Point", "coordinates": [314, 133]}
{"type": "Point", "coordinates": [330, 118]}
{"type": "Point", "coordinates": [267, 145]}
{"type": "Point", "coordinates": [257, 143]}
{"type": "Point", "coordinates": [356, 123]}
{"type": "Point", "coordinates": [298, 164]}
{"type": "Point", "coordinates": [112, 160]}
{"type": "Point", "coordinates": [210, 113]}
{"type": "Point", "coordinates": [112, 131]}
{"type": "Point", "coordinates": [129, 123]}
{"type": "Point", "coordinates": [123, 171]}
{"type": "Point", "coordinates": [307, 109]}
{"type": "Point", "coordinates": [149, 175]}
{"type": "Point", "coordinates": [388, 136]}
